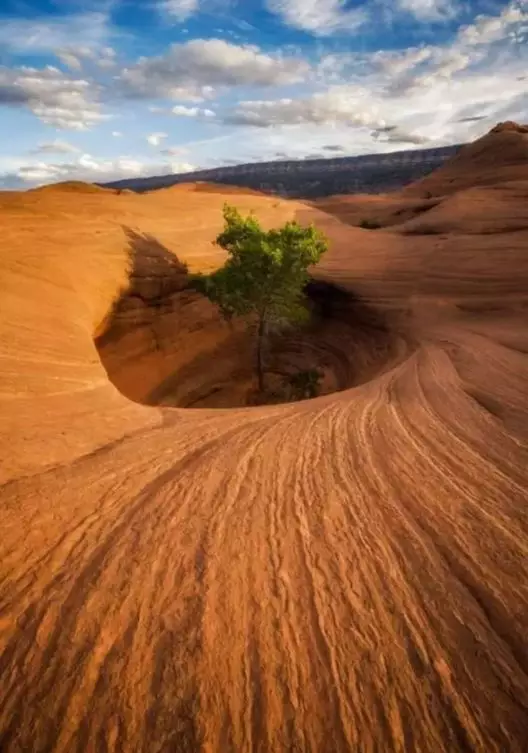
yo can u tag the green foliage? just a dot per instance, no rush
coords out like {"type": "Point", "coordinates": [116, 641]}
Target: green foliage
{"type": "Point", "coordinates": [265, 272]}
{"type": "Point", "coordinates": [304, 384]}
{"type": "Point", "coordinates": [369, 224]}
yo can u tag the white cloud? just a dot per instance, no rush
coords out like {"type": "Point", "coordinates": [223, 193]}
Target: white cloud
{"type": "Point", "coordinates": [474, 46]}
{"type": "Point", "coordinates": [73, 38]}
{"type": "Point", "coordinates": [433, 94]}
{"type": "Point", "coordinates": [55, 147]}
{"type": "Point", "coordinates": [448, 63]}
{"type": "Point", "coordinates": [320, 17]}
{"type": "Point", "coordinates": [53, 96]}
{"type": "Point", "coordinates": [326, 17]}
{"type": "Point", "coordinates": [155, 139]}
{"type": "Point", "coordinates": [437, 103]}
{"type": "Point", "coordinates": [106, 59]}
{"type": "Point", "coordinates": [191, 112]}
{"type": "Point", "coordinates": [193, 69]}
{"type": "Point", "coordinates": [243, 25]}
{"type": "Point", "coordinates": [69, 59]}
{"type": "Point", "coordinates": [296, 142]}
{"type": "Point", "coordinates": [117, 134]}
{"type": "Point", "coordinates": [442, 66]}
{"type": "Point", "coordinates": [174, 151]}
{"type": "Point", "coordinates": [48, 33]}
{"type": "Point", "coordinates": [397, 63]}
{"type": "Point", "coordinates": [394, 135]}
{"type": "Point", "coordinates": [340, 104]}
{"type": "Point", "coordinates": [430, 10]}
{"type": "Point", "coordinates": [179, 9]}
{"type": "Point", "coordinates": [86, 168]}
{"type": "Point", "coordinates": [489, 29]}
{"type": "Point", "coordinates": [76, 57]}
{"type": "Point", "coordinates": [181, 167]}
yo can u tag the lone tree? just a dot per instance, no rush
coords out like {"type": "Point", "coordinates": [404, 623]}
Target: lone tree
{"type": "Point", "coordinates": [265, 273]}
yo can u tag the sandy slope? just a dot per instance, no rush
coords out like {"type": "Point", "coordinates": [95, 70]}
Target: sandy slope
{"type": "Point", "coordinates": [497, 157]}
{"type": "Point", "coordinates": [344, 574]}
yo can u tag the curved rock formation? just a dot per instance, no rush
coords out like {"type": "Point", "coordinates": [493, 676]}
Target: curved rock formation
{"type": "Point", "coordinates": [342, 574]}
{"type": "Point", "coordinates": [501, 155]}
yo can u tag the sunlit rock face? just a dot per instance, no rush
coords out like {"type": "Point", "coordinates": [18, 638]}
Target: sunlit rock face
{"type": "Point", "coordinates": [340, 574]}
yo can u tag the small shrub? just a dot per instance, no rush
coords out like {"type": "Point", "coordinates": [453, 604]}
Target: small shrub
{"type": "Point", "coordinates": [304, 384]}
{"type": "Point", "coordinates": [370, 224]}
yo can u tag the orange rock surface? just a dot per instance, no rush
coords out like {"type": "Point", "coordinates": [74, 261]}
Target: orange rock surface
{"type": "Point", "coordinates": [342, 574]}
{"type": "Point", "coordinates": [501, 155]}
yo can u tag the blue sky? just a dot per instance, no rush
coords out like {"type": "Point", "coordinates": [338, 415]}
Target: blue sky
{"type": "Point", "coordinates": [105, 89]}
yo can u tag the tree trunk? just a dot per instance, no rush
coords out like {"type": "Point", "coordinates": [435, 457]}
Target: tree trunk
{"type": "Point", "coordinates": [260, 346]}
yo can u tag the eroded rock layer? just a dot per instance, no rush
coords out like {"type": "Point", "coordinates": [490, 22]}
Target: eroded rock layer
{"type": "Point", "coordinates": [342, 574]}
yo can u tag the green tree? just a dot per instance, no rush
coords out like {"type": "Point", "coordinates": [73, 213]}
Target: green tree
{"type": "Point", "coordinates": [265, 274]}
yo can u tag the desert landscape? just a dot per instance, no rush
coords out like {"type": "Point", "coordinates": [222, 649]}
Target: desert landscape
{"type": "Point", "coordinates": [182, 573]}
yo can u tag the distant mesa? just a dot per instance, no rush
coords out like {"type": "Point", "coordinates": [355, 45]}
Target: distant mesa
{"type": "Point", "coordinates": [311, 178]}
{"type": "Point", "coordinates": [365, 174]}
{"type": "Point", "coordinates": [497, 156]}
{"type": "Point", "coordinates": [503, 148]}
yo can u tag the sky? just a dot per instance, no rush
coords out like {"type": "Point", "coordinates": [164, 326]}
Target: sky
{"type": "Point", "coordinates": [108, 89]}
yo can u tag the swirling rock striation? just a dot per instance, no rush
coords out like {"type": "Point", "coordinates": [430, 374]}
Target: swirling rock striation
{"type": "Point", "coordinates": [342, 574]}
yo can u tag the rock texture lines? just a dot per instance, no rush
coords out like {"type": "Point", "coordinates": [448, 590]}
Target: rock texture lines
{"type": "Point", "coordinates": [342, 574]}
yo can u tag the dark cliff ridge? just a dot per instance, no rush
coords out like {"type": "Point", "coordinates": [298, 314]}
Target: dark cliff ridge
{"type": "Point", "coordinates": [313, 178]}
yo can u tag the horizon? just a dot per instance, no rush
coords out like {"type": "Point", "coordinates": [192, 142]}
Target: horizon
{"type": "Point", "coordinates": [110, 90]}
{"type": "Point", "coordinates": [209, 173]}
